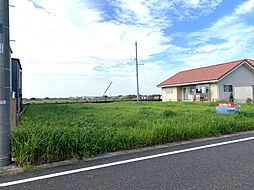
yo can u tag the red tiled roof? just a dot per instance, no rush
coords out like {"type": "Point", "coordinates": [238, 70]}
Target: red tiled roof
{"type": "Point", "coordinates": [214, 72]}
{"type": "Point", "coordinates": [250, 61]}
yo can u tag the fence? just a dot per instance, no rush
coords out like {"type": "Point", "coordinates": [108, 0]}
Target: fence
{"type": "Point", "coordinates": [17, 110]}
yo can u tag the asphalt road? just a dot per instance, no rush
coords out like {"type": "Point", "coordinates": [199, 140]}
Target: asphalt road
{"type": "Point", "coordinates": [228, 166]}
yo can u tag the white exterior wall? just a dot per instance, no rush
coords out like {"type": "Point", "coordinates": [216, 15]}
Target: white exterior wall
{"type": "Point", "coordinates": [214, 91]}
{"type": "Point", "coordinates": [242, 76]}
{"type": "Point", "coordinates": [169, 96]}
{"type": "Point", "coordinates": [243, 93]}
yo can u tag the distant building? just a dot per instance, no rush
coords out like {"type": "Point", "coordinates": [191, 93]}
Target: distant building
{"type": "Point", "coordinates": [156, 96]}
{"type": "Point", "coordinates": [17, 82]}
{"type": "Point", "coordinates": [143, 97]}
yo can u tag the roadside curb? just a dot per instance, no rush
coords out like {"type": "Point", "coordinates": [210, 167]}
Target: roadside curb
{"type": "Point", "coordinates": [13, 170]}
{"type": "Point", "coordinates": [10, 170]}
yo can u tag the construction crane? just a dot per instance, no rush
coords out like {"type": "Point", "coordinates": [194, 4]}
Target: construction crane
{"type": "Point", "coordinates": [107, 89]}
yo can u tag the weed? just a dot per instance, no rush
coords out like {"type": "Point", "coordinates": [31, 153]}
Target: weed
{"type": "Point", "coordinates": [168, 113]}
{"type": "Point", "coordinates": [48, 133]}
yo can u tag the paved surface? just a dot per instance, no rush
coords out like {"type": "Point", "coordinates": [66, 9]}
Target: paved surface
{"type": "Point", "coordinates": [222, 167]}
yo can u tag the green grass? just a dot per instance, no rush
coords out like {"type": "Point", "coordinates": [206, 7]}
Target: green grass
{"type": "Point", "coordinates": [59, 101]}
{"type": "Point", "coordinates": [49, 133]}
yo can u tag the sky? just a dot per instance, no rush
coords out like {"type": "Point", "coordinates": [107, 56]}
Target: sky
{"type": "Point", "coordinates": [77, 47]}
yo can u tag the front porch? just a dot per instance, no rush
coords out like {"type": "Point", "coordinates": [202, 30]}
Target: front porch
{"type": "Point", "coordinates": [198, 93]}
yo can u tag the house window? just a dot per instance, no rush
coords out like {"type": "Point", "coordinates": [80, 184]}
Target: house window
{"type": "Point", "coordinates": [198, 90]}
{"type": "Point", "coordinates": [228, 88]}
{"type": "Point", "coordinates": [202, 89]}
{"type": "Point", "coordinates": [169, 91]}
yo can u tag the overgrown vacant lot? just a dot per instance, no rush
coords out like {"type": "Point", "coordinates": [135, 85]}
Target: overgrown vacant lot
{"type": "Point", "coordinates": [50, 133]}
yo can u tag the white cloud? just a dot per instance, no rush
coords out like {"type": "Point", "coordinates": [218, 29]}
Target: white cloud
{"type": "Point", "coordinates": [60, 39]}
{"type": "Point", "coordinates": [230, 38]}
{"type": "Point", "coordinates": [244, 8]}
{"type": "Point", "coordinates": [162, 12]}
{"type": "Point", "coordinates": [202, 3]}
{"type": "Point", "coordinates": [211, 47]}
{"type": "Point", "coordinates": [51, 42]}
{"type": "Point", "coordinates": [55, 36]}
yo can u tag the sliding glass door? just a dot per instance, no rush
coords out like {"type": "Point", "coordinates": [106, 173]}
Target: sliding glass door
{"type": "Point", "coordinates": [188, 93]}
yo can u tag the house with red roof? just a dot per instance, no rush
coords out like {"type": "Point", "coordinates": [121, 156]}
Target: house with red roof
{"type": "Point", "coordinates": [211, 83]}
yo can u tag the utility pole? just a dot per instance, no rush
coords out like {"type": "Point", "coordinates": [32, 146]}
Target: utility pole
{"type": "Point", "coordinates": [5, 85]}
{"type": "Point", "coordinates": [136, 45]}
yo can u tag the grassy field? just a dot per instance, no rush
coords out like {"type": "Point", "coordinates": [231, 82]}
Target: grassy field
{"type": "Point", "coordinates": [59, 101]}
{"type": "Point", "coordinates": [50, 133]}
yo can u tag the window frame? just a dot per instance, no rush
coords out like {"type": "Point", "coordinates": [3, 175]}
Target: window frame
{"type": "Point", "coordinates": [169, 91]}
{"type": "Point", "coordinates": [228, 88]}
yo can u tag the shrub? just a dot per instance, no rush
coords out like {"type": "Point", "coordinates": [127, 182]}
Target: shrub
{"type": "Point", "coordinates": [168, 113]}
{"type": "Point", "coordinates": [231, 97]}
{"type": "Point", "coordinates": [249, 100]}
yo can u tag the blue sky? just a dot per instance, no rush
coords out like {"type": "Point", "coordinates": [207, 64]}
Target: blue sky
{"type": "Point", "coordinates": [77, 47]}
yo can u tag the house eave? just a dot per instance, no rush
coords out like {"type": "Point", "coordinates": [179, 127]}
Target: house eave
{"type": "Point", "coordinates": [187, 84]}
{"type": "Point", "coordinates": [243, 63]}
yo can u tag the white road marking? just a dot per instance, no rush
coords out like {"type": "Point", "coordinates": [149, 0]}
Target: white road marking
{"type": "Point", "coordinates": [121, 162]}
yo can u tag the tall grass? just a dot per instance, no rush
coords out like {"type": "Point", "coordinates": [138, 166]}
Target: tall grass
{"type": "Point", "coordinates": [50, 133]}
